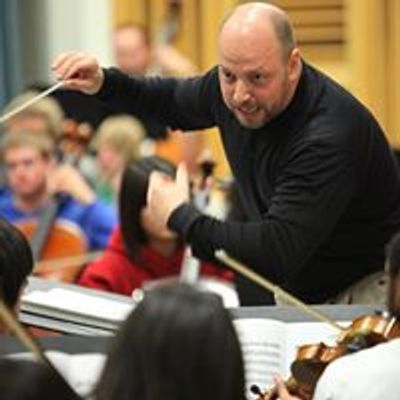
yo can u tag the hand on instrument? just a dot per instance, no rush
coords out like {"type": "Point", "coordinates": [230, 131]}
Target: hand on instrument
{"type": "Point", "coordinates": [283, 393]}
{"type": "Point", "coordinates": [79, 71]}
{"type": "Point", "coordinates": [165, 195]}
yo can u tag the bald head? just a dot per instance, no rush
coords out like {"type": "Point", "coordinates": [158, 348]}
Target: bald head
{"type": "Point", "coordinates": [260, 21]}
{"type": "Point", "coordinates": [259, 65]}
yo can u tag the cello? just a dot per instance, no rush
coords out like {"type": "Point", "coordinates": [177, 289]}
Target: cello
{"type": "Point", "coordinates": [52, 238]}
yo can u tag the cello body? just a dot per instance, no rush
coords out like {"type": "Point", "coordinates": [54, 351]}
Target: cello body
{"type": "Point", "coordinates": [64, 239]}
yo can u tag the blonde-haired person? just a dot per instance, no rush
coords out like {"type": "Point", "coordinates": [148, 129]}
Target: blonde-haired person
{"type": "Point", "coordinates": [118, 141]}
{"type": "Point", "coordinates": [45, 115]}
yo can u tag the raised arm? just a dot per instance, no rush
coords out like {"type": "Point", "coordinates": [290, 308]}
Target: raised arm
{"type": "Point", "coordinates": [185, 104]}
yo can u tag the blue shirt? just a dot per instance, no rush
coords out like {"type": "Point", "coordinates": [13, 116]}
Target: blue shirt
{"type": "Point", "coordinates": [96, 220]}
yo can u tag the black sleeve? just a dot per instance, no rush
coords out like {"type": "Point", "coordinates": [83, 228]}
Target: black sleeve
{"type": "Point", "coordinates": [313, 189]}
{"type": "Point", "coordinates": [178, 103]}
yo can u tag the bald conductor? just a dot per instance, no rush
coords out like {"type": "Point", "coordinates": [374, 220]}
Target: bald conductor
{"type": "Point", "coordinates": [314, 170]}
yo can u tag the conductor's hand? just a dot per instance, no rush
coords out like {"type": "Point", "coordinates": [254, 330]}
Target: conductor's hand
{"type": "Point", "coordinates": [79, 71]}
{"type": "Point", "coordinates": [165, 194]}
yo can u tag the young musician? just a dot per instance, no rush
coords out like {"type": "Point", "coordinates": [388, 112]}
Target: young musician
{"type": "Point", "coordinates": [33, 178]}
{"type": "Point", "coordinates": [178, 344]}
{"type": "Point", "coordinates": [140, 249]}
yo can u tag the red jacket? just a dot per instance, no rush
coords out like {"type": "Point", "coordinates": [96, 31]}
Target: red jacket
{"type": "Point", "coordinates": [115, 272]}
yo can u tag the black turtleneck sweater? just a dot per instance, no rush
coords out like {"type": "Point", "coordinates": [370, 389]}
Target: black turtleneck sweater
{"type": "Point", "coordinates": [319, 184]}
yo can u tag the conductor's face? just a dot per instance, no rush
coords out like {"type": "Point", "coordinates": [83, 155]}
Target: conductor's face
{"type": "Point", "coordinates": [257, 80]}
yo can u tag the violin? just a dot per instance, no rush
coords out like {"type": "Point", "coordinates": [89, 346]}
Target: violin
{"type": "Point", "coordinates": [311, 360]}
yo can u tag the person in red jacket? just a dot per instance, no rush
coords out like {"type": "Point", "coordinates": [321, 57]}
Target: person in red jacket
{"type": "Point", "coordinates": [140, 249]}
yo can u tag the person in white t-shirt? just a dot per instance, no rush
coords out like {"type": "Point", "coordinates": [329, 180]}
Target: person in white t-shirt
{"type": "Point", "coordinates": [371, 374]}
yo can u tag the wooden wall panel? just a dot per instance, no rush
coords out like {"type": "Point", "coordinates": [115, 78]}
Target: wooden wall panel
{"type": "Point", "coordinates": [126, 11]}
{"type": "Point", "coordinates": [393, 72]}
{"type": "Point", "coordinates": [367, 55]}
{"type": "Point", "coordinates": [315, 21]}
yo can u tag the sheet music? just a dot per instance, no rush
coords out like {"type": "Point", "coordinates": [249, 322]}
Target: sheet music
{"type": "Point", "coordinates": [263, 345]}
{"type": "Point", "coordinates": [269, 346]}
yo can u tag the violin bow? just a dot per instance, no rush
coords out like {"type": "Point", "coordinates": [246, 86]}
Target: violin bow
{"type": "Point", "coordinates": [28, 341]}
{"type": "Point", "coordinates": [275, 289]}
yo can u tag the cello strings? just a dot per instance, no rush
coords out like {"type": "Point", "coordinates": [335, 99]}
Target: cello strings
{"type": "Point", "coordinates": [35, 99]}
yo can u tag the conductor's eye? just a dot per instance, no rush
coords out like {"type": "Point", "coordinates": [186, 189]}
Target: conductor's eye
{"type": "Point", "coordinates": [228, 75]}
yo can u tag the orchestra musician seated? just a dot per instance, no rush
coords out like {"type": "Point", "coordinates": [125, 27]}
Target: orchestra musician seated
{"type": "Point", "coordinates": [178, 344]}
{"type": "Point", "coordinates": [33, 178]}
{"type": "Point", "coordinates": [140, 250]}
{"type": "Point", "coordinates": [117, 142]}
{"type": "Point", "coordinates": [370, 374]}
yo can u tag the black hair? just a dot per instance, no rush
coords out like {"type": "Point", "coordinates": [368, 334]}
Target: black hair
{"type": "Point", "coordinates": [28, 380]}
{"type": "Point", "coordinates": [132, 199]}
{"type": "Point", "coordinates": [178, 344]}
{"type": "Point", "coordinates": [16, 262]}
